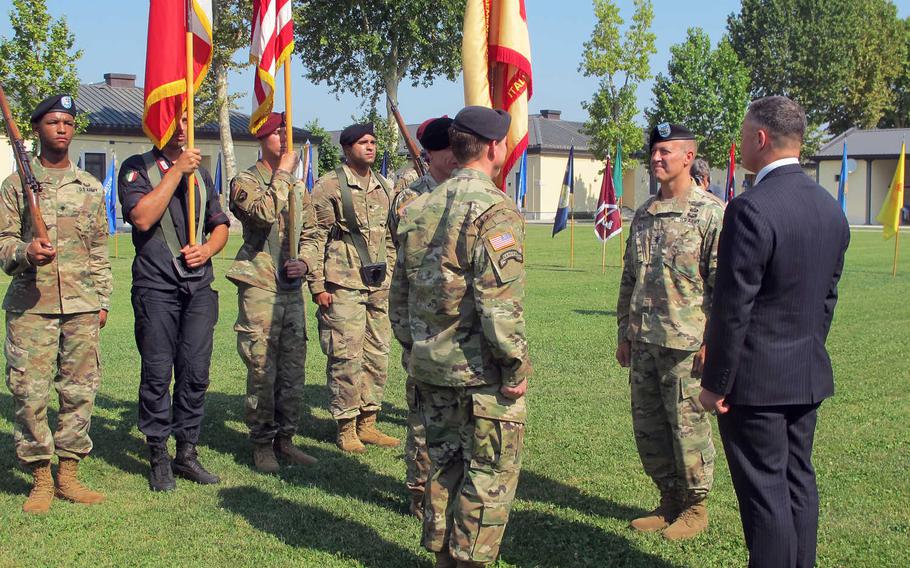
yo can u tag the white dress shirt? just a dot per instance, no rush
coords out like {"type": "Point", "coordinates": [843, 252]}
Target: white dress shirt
{"type": "Point", "coordinates": [773, 165]}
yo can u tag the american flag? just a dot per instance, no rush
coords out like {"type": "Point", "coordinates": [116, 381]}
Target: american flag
{"type": "Point", "coordinates": [503, 240]}
{"type": "Point", "coordinates": [270, 46]}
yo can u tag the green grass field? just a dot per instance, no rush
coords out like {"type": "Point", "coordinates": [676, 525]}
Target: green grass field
{"type": "Point", "coordinates": [581, 482]}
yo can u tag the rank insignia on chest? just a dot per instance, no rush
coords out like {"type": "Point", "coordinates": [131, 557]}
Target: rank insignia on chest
{"type": "Point", "coordinates": [502, 241]}
{"type": "Point", "coordinates": [131, 176]}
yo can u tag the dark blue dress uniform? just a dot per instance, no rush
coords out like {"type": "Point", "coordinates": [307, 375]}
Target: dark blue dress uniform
{"type": "Point", "coordinates": [175, 316]}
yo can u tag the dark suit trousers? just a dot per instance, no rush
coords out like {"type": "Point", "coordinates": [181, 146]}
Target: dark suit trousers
{"type": "Point", "coordinates": [769, 451]}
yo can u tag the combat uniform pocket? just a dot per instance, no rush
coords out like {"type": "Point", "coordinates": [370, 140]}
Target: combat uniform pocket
{"type": "Point", "coordinates": [16, 364]}
{"type": "Point", "coordinates": [499, 425]}
{"type": "Point", "coordinates": [333, 341]}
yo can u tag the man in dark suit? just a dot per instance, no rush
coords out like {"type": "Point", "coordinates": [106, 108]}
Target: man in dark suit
{"type": "Point", "coordinates": [767, 371]}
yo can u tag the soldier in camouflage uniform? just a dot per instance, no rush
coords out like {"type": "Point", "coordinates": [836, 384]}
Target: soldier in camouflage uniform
{"type": "Point", "coordinates": [433, 135]}
{"type": "Point", "coordinates": [55, 305]}
{"type": "Point", "coordinates": [457, 308]}
{"type": "Point", "coordinates": [352, 291]}
{"type": "Point", "coordinates": [271, 319]}
{"type": "Point", "coordinates": [664, 299]}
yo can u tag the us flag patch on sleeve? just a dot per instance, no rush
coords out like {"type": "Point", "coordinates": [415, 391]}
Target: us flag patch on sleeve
{"type": "Point", "coordinates": [502, 241]}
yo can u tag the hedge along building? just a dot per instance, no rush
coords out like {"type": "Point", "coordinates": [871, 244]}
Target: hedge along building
{"type": "Point", "coordinates": [875, 153]}
{"type": "Point", "coordinates": [114, 108]}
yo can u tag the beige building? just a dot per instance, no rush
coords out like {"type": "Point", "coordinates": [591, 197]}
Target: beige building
{"type": "Point", "coordinates": [874, 155]}
{"type": "Point", "coordinates": [114, 112]}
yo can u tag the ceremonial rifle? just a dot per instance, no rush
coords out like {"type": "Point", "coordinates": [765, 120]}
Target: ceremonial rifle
{"type": "Point", "coordinates": [30, 186]}
{"type": "Point", "coordinates": [409, 142]}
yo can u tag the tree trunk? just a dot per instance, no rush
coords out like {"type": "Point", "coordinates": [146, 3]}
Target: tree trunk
{"type": "Point", "coordinates": [391, 94]}
{"type": "Point", "coordinates": [224, 124]}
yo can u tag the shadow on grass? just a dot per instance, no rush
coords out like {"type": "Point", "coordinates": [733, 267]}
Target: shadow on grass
{"type": "Point", "coordinates": [336, 472]}
{"type": "Point", "coordinates": [112, 440]}
{"type": "Point", "coordinates": [538, 539]}
{"type": "Point", "coordinates": [309, 527]}
{"type": "Point", "coordinates": [535, 487]}
{"type": "Point", "coordinates": [595, 312]}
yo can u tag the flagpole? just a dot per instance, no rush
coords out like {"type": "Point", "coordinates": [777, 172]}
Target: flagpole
{"type": "Point", "coordinates": [897, 240]}
{"type": "Point", "coordinates": [190, 139]}
{"type": "Point", "coordinates": [571, 230]}
{"type": "Point", "coordinates": [622, 254]}
{"type": "Point", "coordinates": [293, 238]}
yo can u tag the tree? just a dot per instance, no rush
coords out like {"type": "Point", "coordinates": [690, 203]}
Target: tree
{"type": "Point", "coordinates": [369, 47]}
{"type": "Point", "coordinates": [214, 103]}
{"type": "Point", "coordinates": [37, 62]}
{"type": "Point", "coordinates": [621, 65]}
{"type": "Point", "coordinates": [705, 89]}
{"type": "Point", "coordinates": [329, 155]}
{"type": "Point", "coordinates": [898, 115]}
{"type": "Point", "coordinates": [836, 58]}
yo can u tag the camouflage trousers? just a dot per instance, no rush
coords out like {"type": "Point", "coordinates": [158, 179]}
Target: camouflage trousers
{"type": "Point", "coordinates": [59, 349]}
{"type": "Point", "coordinates": [271, 341]}
{"type": "Point", "coordinates": [416, 456]}
{"type": "Point", "coordinates": [475, 438]}
{"type": "Point", "coordinates": [355, 334]}
{"type": "Point", "coordinates": [672, 430]}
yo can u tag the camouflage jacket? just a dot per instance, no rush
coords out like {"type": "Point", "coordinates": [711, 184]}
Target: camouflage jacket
{"type": "Point", "coordinates": [668, 275]}
{"type": "Point", "coordinates": [330, 246]}
{"type": "Point", "coordinates": [79, 278]}
{"type": "Point", "coordinates": [457, 295]}
{"type": "Point", "coordinates": [426, 184]}
{"type": "Point", "coordinates": [259, 200]}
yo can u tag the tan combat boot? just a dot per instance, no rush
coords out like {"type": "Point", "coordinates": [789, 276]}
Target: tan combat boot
{"type": "Point", "coordinates": [347, 437]}
{"type": "Point", "coordinates": [690, 522]}
{"type": "Point", "coordinates": [264, 458]}
{"type": "Point", "coordinates": [661, 517]}
{"type": "Point", "coordinates": [286, 450]}
{"type": "Point", "coordinates": [69, 487]}
{"type": "Point", "coordinates": [42, 493]}
{"type": "Point", "coordinates": [369, 434]}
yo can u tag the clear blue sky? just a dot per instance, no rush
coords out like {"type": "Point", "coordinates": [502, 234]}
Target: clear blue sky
{"type": "Point", "coordinates": [112, 34]}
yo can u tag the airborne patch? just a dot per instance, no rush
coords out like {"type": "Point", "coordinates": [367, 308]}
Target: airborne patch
{"type": "Point", "coordinates": [511, 255]}
{"type": "Point", "coordinates": [502, 241]}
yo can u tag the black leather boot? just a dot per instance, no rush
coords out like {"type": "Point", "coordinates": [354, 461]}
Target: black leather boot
{"type": "Point", "coordinates": [161, 478]}
{"type": "Point", "coordinates": [186, 464]}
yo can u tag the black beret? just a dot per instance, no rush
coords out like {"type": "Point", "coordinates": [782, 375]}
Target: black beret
{"type": "Point", "coordinates": [355, 132]}
{"type": "Point", "coordinates": [56, 103]}
{"type": "Point", "coordinates": [435, 135]}
{"type": "Point", "coordinates": [487, 123]}
{"type": "Point", "coordinates": [666, 131]}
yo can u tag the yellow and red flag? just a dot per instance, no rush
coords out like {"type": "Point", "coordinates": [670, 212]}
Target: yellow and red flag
{"type": "Point", "coordinates": [890, 215]}
{"type": "Point", "coordinates": [166, 65]}
{"type": "Point", "coordinates": [271, 45]}
{"type": "Point", "coordinates": [496, 56]}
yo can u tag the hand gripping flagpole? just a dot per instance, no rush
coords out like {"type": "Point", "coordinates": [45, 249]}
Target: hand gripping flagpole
{"type": "Point", "coordinates": [190, 141]}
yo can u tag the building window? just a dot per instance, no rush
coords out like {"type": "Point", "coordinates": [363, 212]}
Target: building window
{"type": "Point", "coordinates": [95, 164]}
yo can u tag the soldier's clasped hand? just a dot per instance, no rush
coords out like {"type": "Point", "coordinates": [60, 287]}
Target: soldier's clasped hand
{"type": "Point", "coordinates": [196, 255]}
{"type": "Point", "coordinates": [295, 268]}
{"type": "Point", "coordinates": [40, 252]}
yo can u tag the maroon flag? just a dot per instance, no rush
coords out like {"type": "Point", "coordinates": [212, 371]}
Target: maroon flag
{"type": "Point", "coordinates": [607, 220]}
